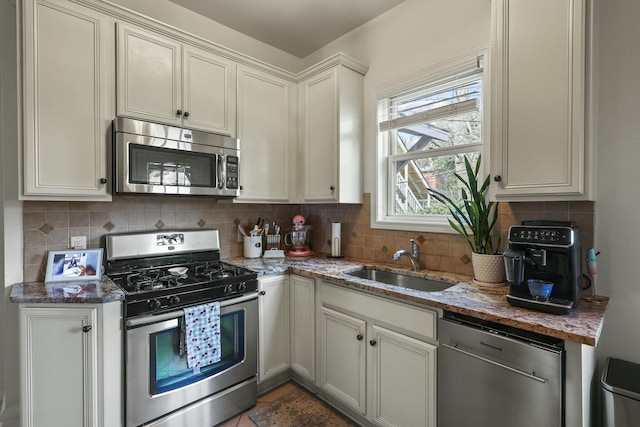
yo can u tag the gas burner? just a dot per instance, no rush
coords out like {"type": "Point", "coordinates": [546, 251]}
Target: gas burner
{"type": "Point", "coordinates": [214, 271]}
{"type": "Point", "coordinates": [171, 280]}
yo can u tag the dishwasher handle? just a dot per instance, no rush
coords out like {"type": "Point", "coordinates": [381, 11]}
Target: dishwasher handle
{"type": "Point", "coordinates": [455, 347]}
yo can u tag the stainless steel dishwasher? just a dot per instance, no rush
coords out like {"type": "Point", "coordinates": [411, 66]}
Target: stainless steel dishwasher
{"type": "Point", "coordinates": [495, 375]}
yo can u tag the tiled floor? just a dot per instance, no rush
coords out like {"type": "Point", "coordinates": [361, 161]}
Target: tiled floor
{"type": "Point", "coordinates": [243, 420]}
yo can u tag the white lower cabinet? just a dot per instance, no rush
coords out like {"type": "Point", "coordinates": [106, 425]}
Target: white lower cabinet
{"type": "Point", "coordinates": [71, 365]}
{"type": "Point", "coordinates": [342, 358]}
{"type": "Point", "coordinates": [402, 375]}
{"type": "Point", "coordinates": [377, 357]}
{"type": "Point", "coordinates": [303, 326]}
{"type": "Point", "coordinates": [273, 326]}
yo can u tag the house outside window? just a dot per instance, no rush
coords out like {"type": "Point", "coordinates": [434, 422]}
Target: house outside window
{"type": "Point", "coordinates": [427, 125]}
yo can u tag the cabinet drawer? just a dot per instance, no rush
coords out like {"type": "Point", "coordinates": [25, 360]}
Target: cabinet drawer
{"type": "Point", "coordinates": [412, 320]}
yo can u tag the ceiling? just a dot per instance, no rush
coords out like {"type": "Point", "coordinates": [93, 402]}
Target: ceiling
{"type": "Point", "coordinates": [298, 27]}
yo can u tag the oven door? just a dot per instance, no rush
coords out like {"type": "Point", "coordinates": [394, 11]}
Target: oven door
{"type": "Point", "coordinates": [157, 378]}
{"type": "Point", "coordinates": [158, 165]}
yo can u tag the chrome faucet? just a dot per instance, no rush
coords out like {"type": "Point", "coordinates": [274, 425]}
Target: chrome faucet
{"type": "Point", "coordinates": [414, 255]}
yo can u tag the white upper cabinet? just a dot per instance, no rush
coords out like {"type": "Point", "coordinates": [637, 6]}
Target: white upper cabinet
{"type": "Point", "coordinates": [330, 133]}
{"type": "Point", "coordinates": [541, 148]}
{"type": "Point", "coordinates": [266, 128]}
{"type": "Point", "coordinates": [162, 80]}
{"type": "Point", "coordinates": [68, 88]}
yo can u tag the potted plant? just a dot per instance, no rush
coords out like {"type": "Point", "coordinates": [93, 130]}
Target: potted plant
{"type": "Point", "coordinates": [474, 217]}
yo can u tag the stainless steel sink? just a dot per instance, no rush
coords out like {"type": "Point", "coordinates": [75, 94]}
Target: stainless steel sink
{"type": "Point", "coordinates": [402, 280]}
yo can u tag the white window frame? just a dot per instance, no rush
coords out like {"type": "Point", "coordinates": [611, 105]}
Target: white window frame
{"type": "Point", "coordinates": [380, 197]}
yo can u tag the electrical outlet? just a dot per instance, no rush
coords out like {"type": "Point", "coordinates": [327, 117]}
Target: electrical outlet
{"type": "Point", "coordinates": [78, 242]}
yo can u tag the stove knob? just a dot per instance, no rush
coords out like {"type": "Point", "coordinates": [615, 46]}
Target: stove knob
{"type": "Point", "coordinates": [174, 300]}
{"type": "Point", "coordinates": [228, 289]}
{"type": "Point", "coordinates": [242, 286]}
{"type": "Point", "coordinates": [155, 304]}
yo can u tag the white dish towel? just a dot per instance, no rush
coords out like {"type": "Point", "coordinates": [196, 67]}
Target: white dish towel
{"type": "Point", "coordinates": [202, 324]}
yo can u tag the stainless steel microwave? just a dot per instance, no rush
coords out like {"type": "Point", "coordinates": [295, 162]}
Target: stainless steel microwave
{"type": "Point", "coordinates": [153, 158]}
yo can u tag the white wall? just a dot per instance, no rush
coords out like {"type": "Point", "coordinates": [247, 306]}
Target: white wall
{"type": "Point", "coordinates": [618, 205]}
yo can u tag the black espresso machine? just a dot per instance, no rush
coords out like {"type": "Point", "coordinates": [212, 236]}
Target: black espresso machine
{"type": "Point", "coordinates": [545, 251]}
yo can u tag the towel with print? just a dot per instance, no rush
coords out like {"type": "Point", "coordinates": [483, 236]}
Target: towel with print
{"type": "Point", "coordinates": [202, 335]}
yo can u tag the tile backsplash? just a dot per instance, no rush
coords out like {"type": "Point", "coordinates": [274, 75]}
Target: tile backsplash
{"type": "Point", "coordinates": [49, 225]}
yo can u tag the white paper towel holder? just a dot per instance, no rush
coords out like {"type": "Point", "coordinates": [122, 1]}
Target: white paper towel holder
{"type": "Point", "coordinates": [336, 240]}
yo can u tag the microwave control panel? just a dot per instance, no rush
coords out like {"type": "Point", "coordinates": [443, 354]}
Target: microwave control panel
{"type": "Point", "coordinates": [232, 173]}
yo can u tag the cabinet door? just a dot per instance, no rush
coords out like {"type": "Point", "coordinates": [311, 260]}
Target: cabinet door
{"type": "Point", "coordinates": [209, 83]}
{"type": "Point", "coordinates": [273, 329]}
{"type": "Point", "coordinates": [149, 76]}
{"type": "Point", "coordinates": [342, 357]}
{"type": "Point", "coordinates": [403, 379]}
{"type": "Point", "coordinates": [303, 332]}
{"type": "Point", "coordinates": [59, 367]}
{"type": "Point", "coordinates": [68, 86]}
{"type": "Point", "coordinates": [319, 135]}
{"type": "Point", "coordinates": [539, 84]}
{"type": "Point", "coordinates": [265, 121]}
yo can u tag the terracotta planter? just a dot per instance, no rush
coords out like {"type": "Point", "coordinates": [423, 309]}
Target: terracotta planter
{"type": "Point", "coordinates": [488, 268]}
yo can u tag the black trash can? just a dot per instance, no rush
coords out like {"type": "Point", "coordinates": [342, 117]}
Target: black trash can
{"type": "Point", "coordinates": [621, 393]}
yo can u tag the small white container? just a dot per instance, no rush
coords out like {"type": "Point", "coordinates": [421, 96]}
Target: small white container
{"type": "Point", "coordinates": [252, 246]}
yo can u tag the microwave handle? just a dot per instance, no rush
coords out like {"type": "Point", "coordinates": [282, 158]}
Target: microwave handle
{"type": "Point", "coordinates": [221, 170]}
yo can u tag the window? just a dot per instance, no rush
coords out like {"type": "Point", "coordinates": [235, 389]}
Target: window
{"type": "Point", "coordinates": [426, 126]}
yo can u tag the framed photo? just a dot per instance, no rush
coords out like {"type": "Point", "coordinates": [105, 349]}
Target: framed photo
{"type": "Point", "coordinates": [74, 265]}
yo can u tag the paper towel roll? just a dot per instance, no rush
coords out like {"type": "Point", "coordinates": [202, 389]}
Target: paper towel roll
{"type": "Point", "coordinates": [335, 239]}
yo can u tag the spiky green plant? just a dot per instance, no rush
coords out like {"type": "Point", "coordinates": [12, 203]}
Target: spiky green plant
{"type": "Point", "coordinates": [475, 217]}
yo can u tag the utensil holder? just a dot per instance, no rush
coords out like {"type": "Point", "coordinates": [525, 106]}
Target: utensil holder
{"type": "Point", "coordinates": [252, 246]}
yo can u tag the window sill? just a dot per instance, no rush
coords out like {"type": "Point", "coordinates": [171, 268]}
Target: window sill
{"type": "Point", "coordinates": [413, 224]}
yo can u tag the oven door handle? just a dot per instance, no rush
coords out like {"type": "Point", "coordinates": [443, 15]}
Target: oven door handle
{"type": "Point", "coordinates": [147, 320]}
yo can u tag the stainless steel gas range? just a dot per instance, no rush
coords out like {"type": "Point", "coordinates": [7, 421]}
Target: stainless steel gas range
{"type": "Point", "coordinates": [163, 274]}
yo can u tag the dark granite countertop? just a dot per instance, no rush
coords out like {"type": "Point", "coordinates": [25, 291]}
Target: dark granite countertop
{"type": "Point", "coordinates": [583, 325]}
{"type": "Point", "coordinates": [67, 292]}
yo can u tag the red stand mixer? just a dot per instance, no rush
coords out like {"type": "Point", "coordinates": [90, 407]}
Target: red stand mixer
{"type": "Point", "coordinates": [296, 239]}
